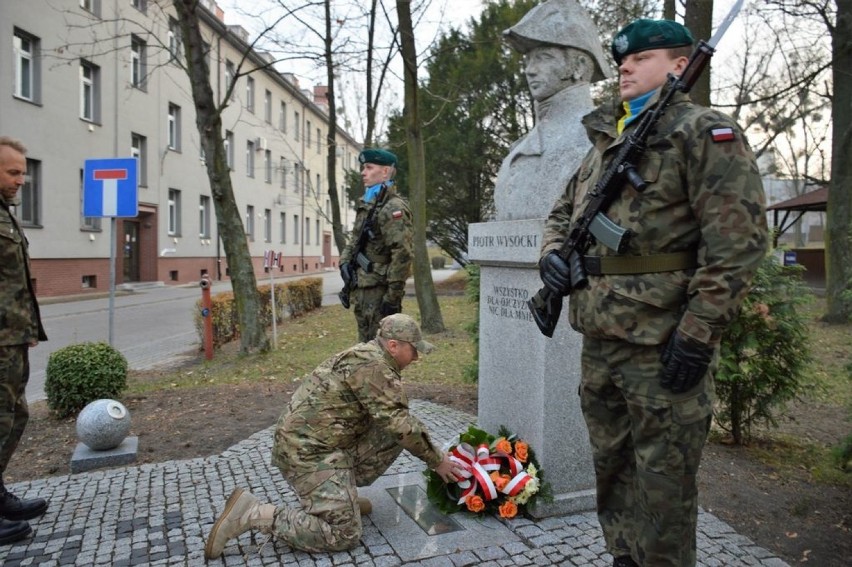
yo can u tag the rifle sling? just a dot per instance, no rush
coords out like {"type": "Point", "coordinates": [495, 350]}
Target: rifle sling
{"type": "Point", "coordinates": [621, 265]}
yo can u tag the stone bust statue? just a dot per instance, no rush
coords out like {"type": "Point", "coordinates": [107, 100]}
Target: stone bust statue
{"type": "Point", "coordinates": [562, 57]}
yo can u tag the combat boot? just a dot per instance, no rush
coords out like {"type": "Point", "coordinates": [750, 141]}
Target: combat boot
{"type": "Point", "coordinates": [11, 532]}
{"type": "Point", "coordinates": [15, 509]}
{"type": "Point", "coordinates": [365, 506]}
{"type": "Point", "coordinates": [624, 561]}
{"type": "Point", "coordinates": [242, 512]}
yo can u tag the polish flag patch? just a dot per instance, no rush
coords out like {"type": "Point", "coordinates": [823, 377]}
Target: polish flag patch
{"type": "Point", "coordinates": [397, 214]}
{"type": "Point", "coordinates": [722, 134]}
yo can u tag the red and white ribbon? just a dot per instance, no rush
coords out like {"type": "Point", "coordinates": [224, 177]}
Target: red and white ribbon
{"type": "Point", "coordinates": [476, 466]}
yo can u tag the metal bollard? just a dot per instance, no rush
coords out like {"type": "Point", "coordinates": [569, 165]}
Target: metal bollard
{"type": "Point", "coordinates": [207, 316]}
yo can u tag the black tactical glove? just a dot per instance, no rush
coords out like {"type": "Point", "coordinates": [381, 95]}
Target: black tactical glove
{"type": "Point", "coordinates": [555, 273]}
{"type": "Point", "coordinates": [346, 272]}
{"type": "Point", "coordinates": [685, 363]}
{"type": "Point", "coordinates": [388, 308]}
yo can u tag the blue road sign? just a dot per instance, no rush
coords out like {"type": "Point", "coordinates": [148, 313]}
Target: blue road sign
{"type": "Point", "coordinates": [110, 188]}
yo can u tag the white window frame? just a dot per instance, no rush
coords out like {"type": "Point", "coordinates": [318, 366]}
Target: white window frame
{"type": "Point", "coordinates": [138, 62]}
{"type": "Point", "coordinates": [250, 158]}
{"type": "Point", "coordinates": [174, 212]}
{"type": "Point", "coordinates": [282, 117]}
{"type": "Point", "coordinates": [204, 216]}
{"type": "Point", "coordinates": [267, 225]}
{"type": "Point", "coordinates": [139, 150]}
{"type": "Point", "coordinates": [296, 228]}
{"type": "Point", "coordinates": [90, 87]}
{"type": "Point", "coordinates": [267, 165]}
{"type": "Point", "coordinates": [29, 211]}
{"type": "Point", "coordinates": [250, 94]}
{"type": "Point", "coordinates": [174, 40]}
{"type": "Point", "coordinates": [229, 149]}
{"type": "Point", "coordinates": [267, 106]}
{"type": "Point", "coordinates": [26, 48]}
{"type": "Point", "coordinates": [283, 233]}
{"type": "Point", "coordinates": [250, 222]}
{"type": "Point", "coordinates": [173, 127]}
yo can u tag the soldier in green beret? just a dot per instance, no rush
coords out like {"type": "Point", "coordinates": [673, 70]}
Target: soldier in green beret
{"type": "Point", "coordinates": [379, 291]}
{"type": "Point", "coordinates": [344, 426]}
{"type": "Point", "coordinates": [20, 330]}
{"type": "Point", "coordinates": [653, 316]}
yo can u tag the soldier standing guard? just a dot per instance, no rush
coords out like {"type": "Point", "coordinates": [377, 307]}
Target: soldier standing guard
{"type": "Point", "coordinates": [343, 427]}
{"type": "Point", "coordinates": [652, 317]}
{"type": "Point", "coordinates": [20, 329]}
{"type": "Point", "coordinates": [378, 292]}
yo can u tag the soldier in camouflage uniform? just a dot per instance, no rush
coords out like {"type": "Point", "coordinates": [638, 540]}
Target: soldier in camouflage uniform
{"type": "Point", "coordinates": [343, 427]}
{"type": "Point", "coordinates": [20, 329]}
{"type": "Point", "coordinates": [652, 318]}
{"type": "Point", "coordinates": [379, 293]}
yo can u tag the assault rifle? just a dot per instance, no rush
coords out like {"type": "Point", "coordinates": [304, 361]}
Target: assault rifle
{"type": "Point", "coordinates": [359, 259]}
{"type": "Point", "coordinates": [546, 306]}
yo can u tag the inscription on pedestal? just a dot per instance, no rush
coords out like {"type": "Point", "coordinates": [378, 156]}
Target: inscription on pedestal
{"type": "Point", "coordinates": [507, 302]}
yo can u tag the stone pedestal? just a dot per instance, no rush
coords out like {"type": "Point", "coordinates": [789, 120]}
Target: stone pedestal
{"type": "Point", "coordinates": [86, 459]}
{"type": "Point", "coordinates": [529, 382]}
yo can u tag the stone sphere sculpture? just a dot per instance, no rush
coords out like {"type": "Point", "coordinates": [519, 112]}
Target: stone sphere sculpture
{"type": "Point", "coordinates": [103, 424]}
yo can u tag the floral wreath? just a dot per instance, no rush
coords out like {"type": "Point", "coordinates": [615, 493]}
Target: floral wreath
{"type": "Point", "coordinates": [501, 474]}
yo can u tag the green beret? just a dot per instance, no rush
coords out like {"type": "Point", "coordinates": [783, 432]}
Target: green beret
{"type": "Point", "coordinates": [377, 156]}
{"type": "Point", "coordinates": [643, 35]}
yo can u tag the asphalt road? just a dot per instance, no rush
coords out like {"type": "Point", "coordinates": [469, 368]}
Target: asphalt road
{"type": "Point", "coordinates": [152, 326]}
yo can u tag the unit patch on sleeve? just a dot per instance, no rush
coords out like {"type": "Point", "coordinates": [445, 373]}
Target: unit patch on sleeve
{"type": "Point", "coordinates": [397, 214]}
{"type": "Point", "coordinates": [723, 134]}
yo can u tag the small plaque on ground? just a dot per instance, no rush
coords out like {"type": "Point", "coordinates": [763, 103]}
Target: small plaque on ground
{"type": "Point", "coordinates": [414, 501]}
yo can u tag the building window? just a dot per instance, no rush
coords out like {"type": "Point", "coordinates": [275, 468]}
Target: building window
{"type": "Point", "coordinates": [87, 223]}
{"type": "Point", "coordinates": [297, 177]}
{"type": "Point", "coordinates": [141, 5]}
{"type": "Point", "coordinates": [204, 217]}
{"type": "Point", "coordinates": [296, 125]}
{"type": "Point", "coordinates": [26, 48]}
{"type": "Point", "coordinates": [267, 165]}
{"type": "Point", "coordinates": [267, 225]}
{"type": "Point", "coordinates": [139, 150]}
{"type": "Point", "coordinates": [308, 134]}
{"type": "Point", "coordinates": [90, 92]}
{"type": "Point", "coordinates": [138, 62]}
{"type": "Point", "coordinates": [319, 141]}
{"type": "Point", "coordinates": [250, 158]}
{"type": "Point", "coordinates": [174, 212]}
{"type": "Point", "coordinates": [30, 208]}
{"type": "Point", "coordinates": [318, 186]}
{"type": "Point", "coordinates": [93, 6]}
{"type": "Point", "coordinates": [282, 117]}
{"type": "Point", "coordinates": [267, 107]}
{"type": "Point", "coordinates": [174, 127]}
{"type": "Point", "coordinates": [250, 94]}
{"type": "Point", "coordinates": [283, 233]}
{"type": "Point", "coordinates": [307, 230]}
{"type": "Point", "coordinates": [295, 229]}
{"type": "Point", "coordinates": [90, 281]}
{"type": "Point", "coordinates": [174, 40]}
{"type": "Point", "coordinates": [317, 226]}
{"type": "Point", "coordinates": [229, 149]}
{"type": "Point", "coordinates": [230, 76]}
{"type": "Point", "coordinates": [250, 223]}
{"type": "Point", "coordinates": [282, 168]}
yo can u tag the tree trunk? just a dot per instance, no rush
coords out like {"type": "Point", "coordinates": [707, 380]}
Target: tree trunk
{"type": "Point", "coordinates": [669, 9]}
{"type": "Point", "coordinates": [331, 139]}
{"type": "Point", "coordinates": [699, 19]}
{"type": "Point", "coordinates": [431, 320]}
{"type": "Point", "coordinates": [838, 245]}
{"type": "Point", "coordinates": [228, 218]}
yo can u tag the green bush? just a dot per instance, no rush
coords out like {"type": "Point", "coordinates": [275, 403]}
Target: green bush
{"type": "Point", "coordinates": [292, 299]}
{"type": "Point", "coordinates": [765, 352]}
{"type": "Point", "coordinates": [82, 373]}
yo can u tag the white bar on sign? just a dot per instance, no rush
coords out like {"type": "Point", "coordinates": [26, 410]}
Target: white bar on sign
{"type": "Point", "coordinates": [110, 188]}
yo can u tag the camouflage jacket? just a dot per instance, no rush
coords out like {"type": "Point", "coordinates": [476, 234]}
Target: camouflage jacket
{"type": "Point", "coordinates": [20, 321]}
{"type": "Point", "coordinates": [391, 248]}
{"type": "Point", "coordinates": [344, 398]}
{"type": "Point", "coordinates": [704, 196]}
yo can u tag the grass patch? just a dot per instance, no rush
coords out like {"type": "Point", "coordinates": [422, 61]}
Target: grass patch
{"type": "Point", "coordinates": [830, 344]}
{"type": "Point", "coordinates": [791, 455]}
{"type": "Point", "coordinates": [306, 341]}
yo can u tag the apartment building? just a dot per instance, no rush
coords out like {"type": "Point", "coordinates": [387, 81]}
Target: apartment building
{"type": "Point", "coordinates": [89, 79]}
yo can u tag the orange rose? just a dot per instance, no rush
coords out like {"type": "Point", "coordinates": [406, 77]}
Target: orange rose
{"type": "Point", "coordinates": [475, 504]}
{"type": "Point", "coordinates": [522, 451]}
{"type": "Point", "coordinates": [500, 481]}
{"type": "Point", "coordinates": [508, 509]}
{"type": "Point", "coordinates": [504, 446]}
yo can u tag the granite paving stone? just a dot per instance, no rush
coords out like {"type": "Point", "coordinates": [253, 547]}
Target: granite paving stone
{"type": "Point", "coordinates": [160, 514]}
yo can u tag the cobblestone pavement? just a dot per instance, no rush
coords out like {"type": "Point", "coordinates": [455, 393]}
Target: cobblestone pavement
{"type": "Point", "coordinates": [160, 514]}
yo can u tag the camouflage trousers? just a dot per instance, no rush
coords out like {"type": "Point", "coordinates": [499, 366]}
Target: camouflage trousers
{"type": "Point", "coordinates": [14, 413]}
{"type": "Point", "coordinates": [367, 302]}
{"type": "Point", "coordinates": [329, 519]}
{"type": "Point", "coordinates": [646, 444]}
